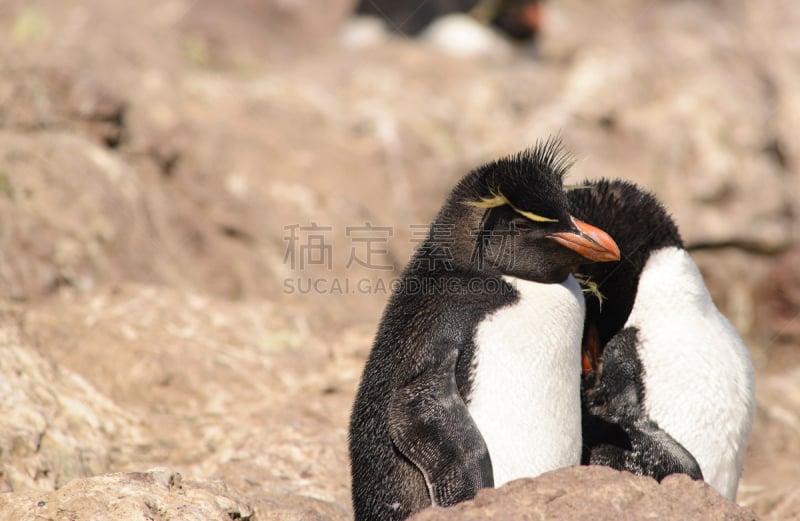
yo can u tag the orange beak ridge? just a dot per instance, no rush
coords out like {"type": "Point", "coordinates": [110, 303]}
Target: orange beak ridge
{"type": "Point", "coordinates": [590, 242]}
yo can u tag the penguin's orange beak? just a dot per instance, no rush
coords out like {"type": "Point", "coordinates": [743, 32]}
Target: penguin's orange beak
{"type": "Point", "coordinates": [590, 242]}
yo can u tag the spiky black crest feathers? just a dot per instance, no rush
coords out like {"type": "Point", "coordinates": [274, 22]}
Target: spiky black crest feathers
{"type": "Point", "coordinates": [552, 155]}
{"type": "Point", "coordinates": [530, 182]}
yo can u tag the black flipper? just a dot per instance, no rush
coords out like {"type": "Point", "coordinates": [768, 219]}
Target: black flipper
{"type": "Point", "coordinates": [617, 432]}
{"type": "Point", "coordinates": [430, 424]}
{"type": "Point", "coordinates": [650, 452]}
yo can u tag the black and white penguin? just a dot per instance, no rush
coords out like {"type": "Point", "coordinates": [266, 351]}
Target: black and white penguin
{"type": "Point", "coordinates": [518, 19]}
{"type": "Point", "coordinates": [697, 372]}
{"type": "Point", "coordinates": [617, 431]}
{"type": "Point", "coordinates": [474, 375]}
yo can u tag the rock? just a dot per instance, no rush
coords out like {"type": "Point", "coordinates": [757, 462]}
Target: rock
{"type": "Point", "coordinates": [53, 98]}
{"type": "Point", "coordinates": [54, 426]}
{"type": "Point", "coordinates": [778, 299]}
{"type": "Point", "coordinates": [243, 32]}
{"type": "Point", "coordinates": [768, 485]}
{"type": "Point", "coordinates": [158, 494]}
{"type": "Point", "coordinates": [99, 111]}
{"type": "Point", "coordinates": [596, 494]}
{"type": "Point", "coordinates": [299, 508]}
{"type": "Point", "coordinates": [49, 244]}
{"type": "Point", "coordinates": [238, 391]}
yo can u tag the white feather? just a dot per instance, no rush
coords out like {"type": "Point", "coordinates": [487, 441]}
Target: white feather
{"type": "Point", "coordinates": [525, 393]}
{"type": "Point", "coordinates": [698, 375]}
{"type": "Point", "coordinates": [461, 35]}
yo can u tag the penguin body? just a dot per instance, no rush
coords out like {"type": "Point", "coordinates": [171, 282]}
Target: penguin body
{"type": "Point", "coordinates": [407, 18]}
{"type": "Point", "coordinates": [618, 432]}
{"type": "Point", "coordinates": [459, 388]}
{"type": "Point", "coordinates": [697, 373]}
{"type": "Point", "coordinates": [707, 400]}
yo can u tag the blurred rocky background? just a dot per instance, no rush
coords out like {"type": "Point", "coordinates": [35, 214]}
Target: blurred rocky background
{"type": "Point", "coordinates": [203, 205]}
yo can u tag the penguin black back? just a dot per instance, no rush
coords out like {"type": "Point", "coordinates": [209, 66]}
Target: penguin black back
{"type": "Point", "coordinates": [617, 431]}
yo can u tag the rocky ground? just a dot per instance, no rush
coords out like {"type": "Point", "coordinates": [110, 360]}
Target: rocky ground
{"type": "Point", "coordinates": [156, 159]}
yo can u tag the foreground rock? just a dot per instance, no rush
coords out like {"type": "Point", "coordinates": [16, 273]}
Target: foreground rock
{"type": "Point", "coordinates": [54, 425]}
{"type": "Point", "coordinates": [770, 487]}
{"type": "Point", "coordinates": [238, 392]}
{"type": "Point", "coordinates": [156, 495]}
{"type": "Point", "coordinates": [597, 494]}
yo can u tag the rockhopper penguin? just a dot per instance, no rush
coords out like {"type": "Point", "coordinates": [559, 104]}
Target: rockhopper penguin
{"type": "Point", "coordinates": [696, 371]}
{"type": "Point", "coordinates": [518, 19]}
{"type": "Point", "coordinates": [474, 375]}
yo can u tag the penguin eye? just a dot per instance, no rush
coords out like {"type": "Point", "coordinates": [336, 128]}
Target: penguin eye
{"type": "Point", "coordinates": [522, 226]}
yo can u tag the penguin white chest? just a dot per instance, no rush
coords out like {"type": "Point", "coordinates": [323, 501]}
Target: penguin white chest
{"type": "Point", "coordinates": [698, 375]}
{"type": "Point", "coordinates": [526, 388]}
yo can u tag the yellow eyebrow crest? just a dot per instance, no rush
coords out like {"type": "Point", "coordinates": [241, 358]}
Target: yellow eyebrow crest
{"type": "Point", "coordinates": [489, 202]}
{"type": "Point", "coordinates": [498, 199]}
{"type": "Point", "coordinates": [532, 216]}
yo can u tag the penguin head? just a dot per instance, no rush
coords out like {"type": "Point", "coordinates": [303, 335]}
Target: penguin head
{"type": "Point", "coordinates": [511, 217]}
{"type": "Point", "coordinates": [638, 221]}
{"type": "Point", "coordinates": [619, 394]}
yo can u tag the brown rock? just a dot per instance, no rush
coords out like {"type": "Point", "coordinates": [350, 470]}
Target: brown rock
{"type": "Point", "coordinates": [227, 390]}
{"type": "Point", "coordinates": [298, 508]}
{"type": "Point", "coordinates": [158, 494]}
{"type": "Point", "coordinates": [769, 485]}
{"type": "Point", "coordinates": [596, 494]}
{"type": "Point", "coordinates": [97, 111]}
{"type": "Point", "coordinates": [52, 98]}
{"type": "Point", "coordinates": [778, 299]}
{"type": "Point", "coordinates": [53, 425]}
{"type": "Point", "coordinates": [243, 31]}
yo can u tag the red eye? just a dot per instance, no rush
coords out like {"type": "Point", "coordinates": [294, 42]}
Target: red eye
{"type": "Point", "coordinates": [521, 226]}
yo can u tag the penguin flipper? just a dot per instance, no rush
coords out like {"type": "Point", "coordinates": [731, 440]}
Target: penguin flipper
{"type": "Point", "coordinates": [669, 456]}
{"type": "Point", "coordinates": [650, 451]}
{"type": "Point", "coordinates": [605, 443]}
{"type": "Point", "coordinates": [430, 424]}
